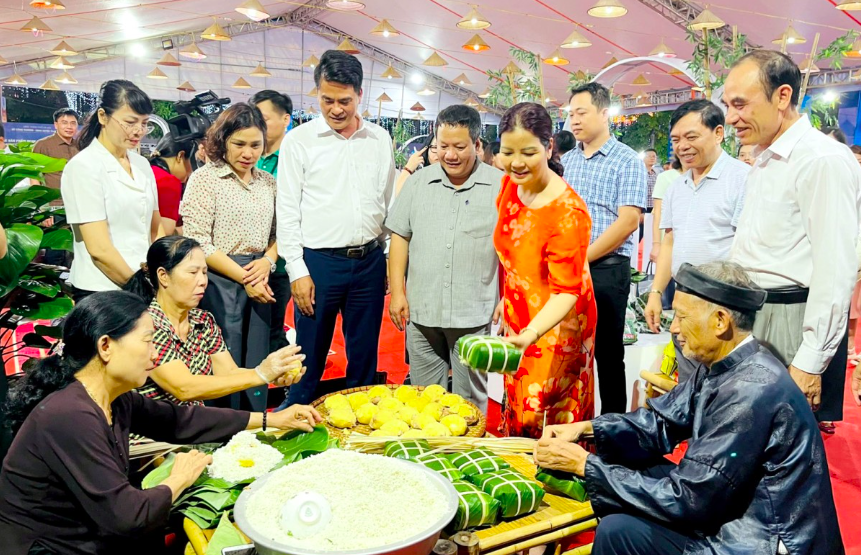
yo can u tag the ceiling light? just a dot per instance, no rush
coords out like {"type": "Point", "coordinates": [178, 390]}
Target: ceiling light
{"type": "Point", "coordinates": [168, 60]}
{"type": "Point", "coordinates": [384, 98]}
{"type": "Point", "coordinates": [473, 21]}
{"type": "Point", "coordinates": [366, 114]}
{"type": "Point", "coordinates": [348, 47]}
{"type": "Point", "coordinates": [417, 107]}
{"type": "Point", "coordinates": [3, 61]}
{"type": "Point", "coordinates": [435, 60]}
{"type": "Point", "coordinates": [156, 74]}
{"type": "Point", "coordinates": [186, 86]}
{"type": "Point", "coordinates": [241, 84]}
{"type": "Point", "coordinates": [417, 78]}
{"type": "Point", "coordinates": [16, 80]}
{"type": "Point", "coordinates": [556, 59]}
{"type": "Point", "coordinates": [252, 9]}
{"type": "Point", "coordinates": [610, 62]}
{"type": "Point", "coordinates": [49, 85]}
{"type": "Point", "coordinates": [849, 5]}
{"type": "Point", "coordinates": [641, 81]}
{"type": "Point", "coordinates": [384, 29]}
{"type": "Point", "coordinates": [215, 32]}
{"type": "Point", "coordinates": [476, 44]}
{"type": "Point", "coordinates": [261, 71]}
{"type": "Point", "coordinates": [607, 8]}
{"type": "Point", "coordinates": [137, 50]}
{"type": "Point", "coordinates": [418, 117]}
{"type": "Point", "coordinates": [66, 79]}
{"type": "Point", "coordinates": [63, 49]}
{"type": "Point", "coordinates": [614, 110]}
{"type": "Point", "coordinates": [312, 110]}
{"type": "Point", "coordinates": [663, 51]}
{"type": "Point", "coordinates": [312, 92]}
{"type": "Point", "coordinates": [808, 66]}
{"type": "Point", "coordinates": [344, 5]}
{"type": "Point", "coordinates": [481, 109]}
{"type": "Point", "coordinates": [311, 62]}
{"type": "Point", "coordinates": [427, 91]}
{"type": "Point", "coordinates": [463, 80]}
{"type": "Point", "coordinates": [706, 21]}
{"type": "Point", "coordinates": [792, 36]}
{"type": "Point", "coordinates": [391, 73]}
{"type": "Point", "coordinates": [829, 96]}
{"type": "Point", "coordinates": [61, 63]}
{"type": "Point", "coordinates": [576, 40]}
{"type": "Point", "coordinates": [36, 26]}
{"type": "Point", "coordinates": [193, 52]}
{"type": "Point", "coordinates": [47, 5]}
{"type": "Point", "coordinates": [485, 93]}
{"type": "Point", "coordinates": [472, 102]}
{"type": "Point", "coordinates": [511, 69]}
{"type": "Point", "coordinates": [167, 44]}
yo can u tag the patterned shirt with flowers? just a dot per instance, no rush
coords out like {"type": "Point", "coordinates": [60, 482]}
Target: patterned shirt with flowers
{"type": "Point", "coordinates": [204, 340]}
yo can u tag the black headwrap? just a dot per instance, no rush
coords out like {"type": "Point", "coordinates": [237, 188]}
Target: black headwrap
{"type": "Point", "coordinates": [743, 299]}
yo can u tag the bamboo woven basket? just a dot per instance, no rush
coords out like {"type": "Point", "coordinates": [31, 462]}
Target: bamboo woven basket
{"type": "Point", "coordinates": [476, 430]}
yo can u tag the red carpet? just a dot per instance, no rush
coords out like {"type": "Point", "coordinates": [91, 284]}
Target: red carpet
{"type": "Point", "coordinates": [843, 448]}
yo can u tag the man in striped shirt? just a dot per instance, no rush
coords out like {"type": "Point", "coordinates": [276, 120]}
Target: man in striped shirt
{"type": "Point", "coordinates": [700, 211]}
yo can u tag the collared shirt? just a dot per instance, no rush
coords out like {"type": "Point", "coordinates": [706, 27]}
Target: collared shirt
{"type": "Point", "coordinates": [453, 267]}
{"type": "Point", "coordinates": [203, 340]}
{"type": "Point", "coordinates": [704, 217]}
{"type": "Point", "coordinates": [663, 183]}
{"type": "Point", "coordinates": [95, 187]}
{"type": "Point", "coordinates": [55, 147]}
{"type": "Point", "coordinates": [269, 163]}
{"type": "Point", "coordinates": [651, 178]}
{"type": "Point", "coordinates": [223, 213]}
{"type": "Point", "coordinates": [798, 228]}
{"type": "Point", "coordinates": [332, 192]}
{"type": "Point", "coordinates": [612, 177]}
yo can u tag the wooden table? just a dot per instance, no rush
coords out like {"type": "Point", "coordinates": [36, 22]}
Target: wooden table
{"type": "Point", "coordinates": [558, 517]}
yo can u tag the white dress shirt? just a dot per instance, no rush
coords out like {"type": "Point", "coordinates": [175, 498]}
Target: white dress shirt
{"type": "Point", "coordinates": [332, 192]}
{"type": "Point", "coordinates": [96, 187]}
{"type": "Point", "coordinates": [799, 227]}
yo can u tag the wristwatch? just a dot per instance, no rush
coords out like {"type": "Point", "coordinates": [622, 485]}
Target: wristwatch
{"type": "Point", "coordinates": [272, 262]}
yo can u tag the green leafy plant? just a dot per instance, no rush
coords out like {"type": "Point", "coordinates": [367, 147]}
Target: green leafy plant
{"type": "Point", "coordinates": [401, 133]}
{"type": "Point", "coordinates": [29, 290]}
{"type": "Point", "coordinates": [836, 51]}
{"type": "Point", "coordinates": [649, 131]}
{"type": "Point", "coordinates": [721, 57]}
{"type": "Point", "coordinates": [823, 113]}
{"type": "Point", "coordinates": [527, 84]}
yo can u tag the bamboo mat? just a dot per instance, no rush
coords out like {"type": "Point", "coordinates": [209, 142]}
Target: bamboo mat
{"type": "Point", "coordinates": [555, 513]}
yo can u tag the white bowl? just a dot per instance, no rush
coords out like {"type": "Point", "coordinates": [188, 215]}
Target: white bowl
{"type": "Point", "coordinates": [420, 543]}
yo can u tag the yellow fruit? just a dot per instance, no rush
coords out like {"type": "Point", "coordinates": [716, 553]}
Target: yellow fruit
{"type": "Point", "coordinates": [379, 433]}
{"type": "Point", "coordinates": [465, 411]}
{"type": "Point", "coordinates": [337, 402]}
{"type": "Point", "coordinates": [342, 418]}
{"type": "Point", "coordinates": [358, 399]}
{"type": "Point", "coordinates": [451, 400]}
{"type": "Point", "coordinates": [379, 392]}
{"type": "Point", "coordinates": [411, 433]}
{"type": "Point", "coordinates": [381, 418]}
{"type": "Point", "coordinates": [435, 429]}
{"type": "Point", "coordinates": [366, 412]}
{"type": "Point", "coordinates": [434, 410]}
{"type": "Point", "coordinates": [407, 413]}
{"type": "Point", "coordinates": [455, 424]}
{"type": "Point", "coordinates": [433, 392]}
{"type": "Point", "coordinates": [395, 427]}
{"type": "Point", "coordinates": [421, 421]}
{"type": "Point", "coordinates": [390, 404]}
{"type": "Point", "coordinates": [419, 403]}
{"type": "Point", "coordinates": [405, 393]}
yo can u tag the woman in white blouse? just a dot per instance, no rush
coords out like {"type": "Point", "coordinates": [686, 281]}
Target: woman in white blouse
{"type": "Point", "coordinates": [110, 192]}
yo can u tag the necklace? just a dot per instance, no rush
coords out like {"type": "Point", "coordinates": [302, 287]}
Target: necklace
{"type": "Point", "coordinates": [93, 397]}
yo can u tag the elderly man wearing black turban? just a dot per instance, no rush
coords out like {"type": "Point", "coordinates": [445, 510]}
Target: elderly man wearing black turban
{"type": "Point", "coordinates": [754, 479]}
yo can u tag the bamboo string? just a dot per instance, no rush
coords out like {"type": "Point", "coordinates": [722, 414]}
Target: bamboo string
{"type": "Point", "coordinates": [806, 79]}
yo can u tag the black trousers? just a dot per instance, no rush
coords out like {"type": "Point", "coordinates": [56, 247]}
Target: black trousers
{"type": "Point", "coordinates": [611, 278]}
{"type": "Point", "coordinates": [280, 284]}
{"type": "Point", "coordinates": [355, 288]}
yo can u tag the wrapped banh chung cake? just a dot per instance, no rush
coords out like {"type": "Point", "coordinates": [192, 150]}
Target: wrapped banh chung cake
{"type": "Point", "coordinates": [488, 353]}
{"type": "Point", "coordinates": [474, 508]}
{"type": "Point", "coordinates": [564, 482]}
{"type": "Point", "coordinates": [517, 494]}
{"type": "Point", "coordinates": [477, 461]}
{"type": "Point", "coordinates": [439, 463]}
{"type": "Point", "coordinates": [406, 448]}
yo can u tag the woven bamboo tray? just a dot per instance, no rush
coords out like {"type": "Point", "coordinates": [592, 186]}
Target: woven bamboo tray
{"type": "Point", "coordinates": [554, 515]}
{"type": "Point", "coordinates": [476, 430]}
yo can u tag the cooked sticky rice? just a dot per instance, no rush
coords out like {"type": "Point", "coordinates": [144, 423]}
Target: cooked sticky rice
{"type": "Point", "coordinates": [242, 458]}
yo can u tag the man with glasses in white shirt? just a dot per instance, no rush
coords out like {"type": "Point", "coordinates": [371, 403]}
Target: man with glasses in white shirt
{"type": "Point", "coordinates": [797, 231]}
{"type": "Point", "coordinates": [336, 178]}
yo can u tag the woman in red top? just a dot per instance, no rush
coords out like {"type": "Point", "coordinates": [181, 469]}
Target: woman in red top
{"type": "Point", "coordinates": [541, 237]}
{"type": "Point", "coordinates": [171, 167]}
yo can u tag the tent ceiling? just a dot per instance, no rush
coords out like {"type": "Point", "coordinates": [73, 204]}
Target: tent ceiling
{"type": "Point", "coordinates": [425, 26]}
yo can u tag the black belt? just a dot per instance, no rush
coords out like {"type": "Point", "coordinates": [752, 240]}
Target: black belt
{"type": "Point", "coordinates": [787, 295]}
{"type": "Point", "coordinates": [610, 260]}
{"type": "Point", "coordinates": [353, 252]}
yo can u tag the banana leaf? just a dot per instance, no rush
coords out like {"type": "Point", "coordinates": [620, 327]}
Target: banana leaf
{"type": "Point", "coordinates": [563, 482]}
{"type": "Point", "coordinates": [158, 474]}
{"type": "Point", "coordinates": [297, 445]}
{"type": "Point", "coordinates": [225, 536]}
{"type": "Point", "coordinates": [204, 518]}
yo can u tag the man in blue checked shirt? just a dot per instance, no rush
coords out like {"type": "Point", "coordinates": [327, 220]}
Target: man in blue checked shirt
{"type": "Point", "coordinates": [611, 179]}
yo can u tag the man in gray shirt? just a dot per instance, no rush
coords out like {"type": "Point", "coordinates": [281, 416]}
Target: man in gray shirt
{"type": "Point", "coordinates": [442, 223]}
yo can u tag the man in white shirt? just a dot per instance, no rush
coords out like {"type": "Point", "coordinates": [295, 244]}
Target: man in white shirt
{"type": "Point", "coordinates": [797, 231]}
{"type": "Point", "coordinates": [336, 178]}
{"type": "Point", "coordinates": [700, 212]}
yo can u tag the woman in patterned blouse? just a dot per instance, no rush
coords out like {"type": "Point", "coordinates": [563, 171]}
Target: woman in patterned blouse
{"type": "Point", "coordinates": [192, 361]}
{"type": "Point", "coordinates": [229, 208]}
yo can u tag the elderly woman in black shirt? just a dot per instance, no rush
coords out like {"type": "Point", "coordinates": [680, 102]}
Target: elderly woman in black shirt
{"type": "Point", "coordinates": [64, 484]}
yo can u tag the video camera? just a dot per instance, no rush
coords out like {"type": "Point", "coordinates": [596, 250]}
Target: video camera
{"type": "Point", "coordinates": [194, 119]}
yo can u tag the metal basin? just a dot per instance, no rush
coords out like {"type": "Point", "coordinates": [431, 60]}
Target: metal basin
{"type": "Point", "coordinates": [421, 543]}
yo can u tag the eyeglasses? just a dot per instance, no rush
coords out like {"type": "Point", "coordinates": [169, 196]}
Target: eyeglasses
{"type": "Point", "coordinates": [145, 128]}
